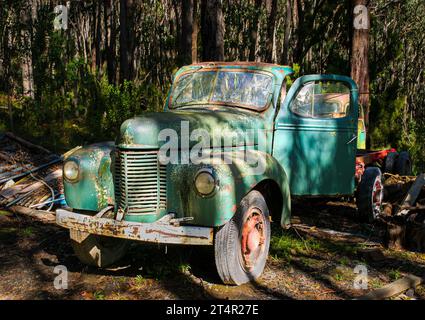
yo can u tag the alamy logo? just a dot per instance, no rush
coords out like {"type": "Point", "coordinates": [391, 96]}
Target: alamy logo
{"type": "Point", "coordinates": [218, 147]}
{"type": "Point", "coordinates": [361, 17]}
{"type": "Point", "coordinates": [361, 280]}
{"type": "Point", "coordinates": [61, 281]}
{"type": "Point", "coordinates": [61, 20]}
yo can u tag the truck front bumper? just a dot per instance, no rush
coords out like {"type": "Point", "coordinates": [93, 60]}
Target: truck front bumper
{"type": "Point", "coordinates": [161, 231]}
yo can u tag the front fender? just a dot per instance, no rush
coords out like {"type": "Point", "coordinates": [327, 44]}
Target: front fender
{"type": "Point", "coordinates": [235, 180]}
{"type": "Point", "coordinates": [94, 189]}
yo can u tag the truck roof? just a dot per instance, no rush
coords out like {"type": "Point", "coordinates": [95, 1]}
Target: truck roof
{"type": "Point", "coordinates": [277, 70]}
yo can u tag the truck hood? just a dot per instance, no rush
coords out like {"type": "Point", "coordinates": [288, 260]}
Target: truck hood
{"type": "Point", "coordinates": [149, 130]}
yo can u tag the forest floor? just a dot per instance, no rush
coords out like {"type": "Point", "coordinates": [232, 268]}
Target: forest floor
{"type": "Point", "coordinates": [303, 264]}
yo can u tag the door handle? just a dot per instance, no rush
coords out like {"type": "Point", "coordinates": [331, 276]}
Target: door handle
{"type": "Point", "coordinates": [354, 138]}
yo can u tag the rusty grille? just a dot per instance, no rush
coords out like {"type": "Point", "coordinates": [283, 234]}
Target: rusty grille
{"type": "Point", "coordinates": [140, 182]}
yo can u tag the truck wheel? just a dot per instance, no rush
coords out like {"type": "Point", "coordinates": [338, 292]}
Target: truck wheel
{"type": "Point", "coordinates": [242, 245]}
{"type": "Point", "coordinates": [390, 161]}
{"type": "Point", "coordinates": [403, 164]}
{"type": "Point", "coordinates": [370, 194]}
{"type": "Point", "coordinates": [99, 251]}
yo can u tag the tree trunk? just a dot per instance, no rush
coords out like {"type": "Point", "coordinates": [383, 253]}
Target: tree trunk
{"type": "Point", "coordinates": [271, 6]}
{"type": "Point", "coordinates": [195, 30]}
{"type": "Point", "coordinates": [287, 37]}
{"type": "Point", "coordinates": [126, 39]}
{"type": "Point", "coordinates": [212, 30]}
{"type": "Point", "coordinates": [360, 57]}
{"type": "Point", "coordinates": [185, 54]}
{"type": "Point", "coordinates": [98, 38]}
{"type": "Point", "coordinates": [109, 13]}
{"type": "Point", "coordinates": [254, 31]}
{"type": "Point", "coordinates": [298, 22]}
{"type": "Point", "coordinates": [27, 63]}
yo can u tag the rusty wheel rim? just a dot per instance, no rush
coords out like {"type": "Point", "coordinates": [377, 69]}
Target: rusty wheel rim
{"type": "Point", "coordinates": [253, 238]}
{"type": "Point", "coordinates": [377, 197]}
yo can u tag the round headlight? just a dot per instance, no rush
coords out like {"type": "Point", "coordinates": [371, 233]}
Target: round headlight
{"type": "Point", "coordinates": [71, 170]}
{"type": "Point", "coordinates": [205, 182]}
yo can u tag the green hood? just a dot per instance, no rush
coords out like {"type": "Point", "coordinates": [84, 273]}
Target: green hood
{"type": "Point", "coordinates": [144, 131]}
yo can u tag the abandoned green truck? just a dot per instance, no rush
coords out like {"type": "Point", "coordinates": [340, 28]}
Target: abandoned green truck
{"type": "Point", "coordinates": [304, 138]}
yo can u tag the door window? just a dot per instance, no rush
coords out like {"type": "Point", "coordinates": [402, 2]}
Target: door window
{"type": "Point", "coordinates": [323, 100]}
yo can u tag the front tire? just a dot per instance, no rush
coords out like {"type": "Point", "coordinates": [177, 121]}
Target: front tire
{"type": "Point", "coordinates": [242, 245]}
{"type": "Point", "coordinates": [99, 251]}
{"type": "Point", "coordinates": [370, 194]}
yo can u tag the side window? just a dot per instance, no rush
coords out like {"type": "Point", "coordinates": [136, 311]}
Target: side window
{"type": "Point", "coordinates": [323, 100]}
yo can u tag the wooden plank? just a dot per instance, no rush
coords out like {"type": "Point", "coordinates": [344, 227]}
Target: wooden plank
{"type": "Point", "coordinates": [394, 289]}
{"type": "Point", "coordinates": [44, 216]}
{"type": "Point", "coordinates": [413, 194]}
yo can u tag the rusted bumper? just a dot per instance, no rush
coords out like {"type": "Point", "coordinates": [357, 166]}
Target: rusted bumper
{"type": "Point", "coordinates": [161, 231]}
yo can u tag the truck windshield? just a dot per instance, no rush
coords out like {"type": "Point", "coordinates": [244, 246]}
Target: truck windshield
{"type": "Point", "coordinates": [231, 88]}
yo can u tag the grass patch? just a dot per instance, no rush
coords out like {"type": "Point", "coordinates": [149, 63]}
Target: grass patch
{"type": "Point", "coordinates": [26, 232]}
{"type": "Point", "coordinates": [184, 268]}
{"type": "Point", "coordinates": [375, 283]}
{"type": "Point", "coordinates": [5, 213]}
{"type": "Point", "coordinates": [395, 274]}
{"type": "Point", "coordinates": [285, 244]}
{"type": "Point", "coordinates": [342, 274]}
{"type": "Point", "coordinates": [99, 295]}
{"type": "Point", "coordinates": [138, 281]}
{"type": "Point", "coordinates": [344, 261]}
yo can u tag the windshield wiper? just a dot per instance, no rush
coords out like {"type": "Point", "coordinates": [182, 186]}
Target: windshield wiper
{"type": "Point", "coordinates": [189, 104]}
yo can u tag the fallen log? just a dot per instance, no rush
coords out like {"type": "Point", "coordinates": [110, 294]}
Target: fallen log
{"type": "Point", "coordinates": [394, 289]}
{"type": "Point", "coordinates": [44, 216]}
{"type": "Point", "coordinates": [332, 234]}
{"type": "Point", "coordinates": [27, 143]}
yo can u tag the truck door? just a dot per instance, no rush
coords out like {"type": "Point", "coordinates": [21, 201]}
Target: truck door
{"type": "Point", "coordinates": [316, 135]}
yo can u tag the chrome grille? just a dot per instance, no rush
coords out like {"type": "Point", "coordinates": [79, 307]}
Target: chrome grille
{"type": "Point", "coordinates": [140, 182]}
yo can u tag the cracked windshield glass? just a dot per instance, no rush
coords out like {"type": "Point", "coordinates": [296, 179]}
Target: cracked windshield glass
{"type": "Point", "coordinates": [244, 89]}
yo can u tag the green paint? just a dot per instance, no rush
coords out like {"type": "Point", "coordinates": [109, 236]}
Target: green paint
{"type": "Point", "coordinates": [235, 181]}
{"type": "Point", "coordinates": [94, 190]}
{"type": "Point", "coordinates": [302, 156]}
{"type": "Point", "coordinates": [315, 152]}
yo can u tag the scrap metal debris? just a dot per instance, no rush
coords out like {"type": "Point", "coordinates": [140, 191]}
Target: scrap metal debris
{"type": "Point", "coordinates": [19, 159]}
{"type": "Point", "coordinates": [30, 175]}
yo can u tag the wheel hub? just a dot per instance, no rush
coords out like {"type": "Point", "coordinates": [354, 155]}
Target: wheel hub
{"type": "Point", "coordinates": [253, 236]}
{"type": "Point", "coordinates": [377, 196]}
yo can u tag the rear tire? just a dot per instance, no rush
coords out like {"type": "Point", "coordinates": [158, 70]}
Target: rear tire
{"type": "Point", "coordinates": [242, 245]}
{"type": "Point", "coordinates": [390, 161]}
{"type": "Point", "coordinates": [370, 194]}
{"type": "Point", "coordinates": [99, 251]}
{"type": "Point", "coordinates": [403, 164]}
